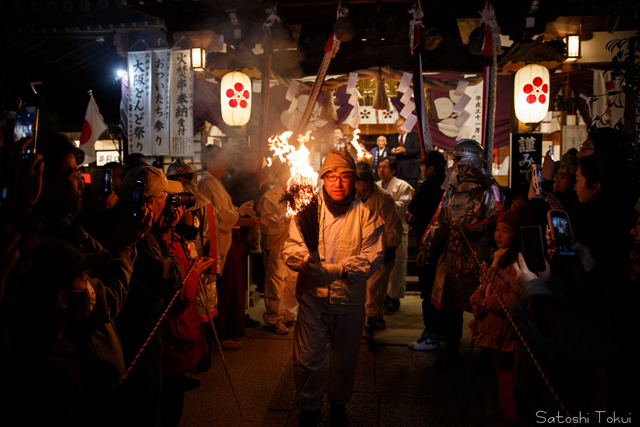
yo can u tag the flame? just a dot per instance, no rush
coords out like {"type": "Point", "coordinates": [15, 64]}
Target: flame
{"type": "Point", "coordinates": [362, 154]}
{"type": "Point", "coordinates": [302, 174]}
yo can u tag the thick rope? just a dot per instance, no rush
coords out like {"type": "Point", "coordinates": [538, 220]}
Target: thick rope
{"type": "Point", "coordinates": [317, 85]}
{"type": "Point", "coordinates": [489, 19]}
{"type": "Point", "coordinates": [517, 329]}
{"type": "Point", "coordinates": [155, 328]}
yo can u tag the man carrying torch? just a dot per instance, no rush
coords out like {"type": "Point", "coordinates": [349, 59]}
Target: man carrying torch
{"type": "Point", "coordinates": [332, 295]}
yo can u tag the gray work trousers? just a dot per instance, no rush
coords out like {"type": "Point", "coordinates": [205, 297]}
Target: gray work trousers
{"type": "Point", "coordinates": [319, 367]}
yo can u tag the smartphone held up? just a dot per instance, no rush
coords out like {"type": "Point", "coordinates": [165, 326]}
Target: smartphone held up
{"type": "Point", "coordinates": [561, 231]}
{"type": "Point", "coordinates": [26, 127]}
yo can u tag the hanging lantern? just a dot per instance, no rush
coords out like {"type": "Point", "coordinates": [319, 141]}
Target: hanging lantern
{"type": "Point", "coordinates": [235, 98]}
{"type": "Point", "coordinates": [198, 58]}
{"type": "Point", "coordinates": [328, 111]}
{"type": "Point", "coordinates": [531, 93]}
{"type": "Point", "coordinates": [573, 47]}
{"type": "Point", "coordinates": [380, 99]}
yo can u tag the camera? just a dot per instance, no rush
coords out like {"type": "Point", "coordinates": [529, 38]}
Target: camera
{"type": "Point", "coordinates": [174, 200]}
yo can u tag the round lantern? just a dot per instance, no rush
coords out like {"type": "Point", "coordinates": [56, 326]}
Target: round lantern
{"type": "Point", "coordinates": [531, 93]}
{"type": "Point", "coordinates": [235, 98]}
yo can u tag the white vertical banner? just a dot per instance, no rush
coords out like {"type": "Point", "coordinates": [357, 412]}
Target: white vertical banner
{"type": "Point", "coordinates": [140, 102]}
{"type": "Point", "coordinates": [608, 99]}
{"type": "Point", "coordinates": [181, 107]}
{"type": "Point", "coordinates": [161, 62]}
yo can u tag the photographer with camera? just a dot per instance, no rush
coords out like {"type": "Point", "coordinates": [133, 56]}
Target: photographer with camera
{"type": "Point", "coordinates": [156, 277]}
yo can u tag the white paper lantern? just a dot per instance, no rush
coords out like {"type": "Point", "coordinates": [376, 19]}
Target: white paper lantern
{"type": "Point", "coordinates": [235, 98]}
{"type": "Point", "coordinates": [531, 93]}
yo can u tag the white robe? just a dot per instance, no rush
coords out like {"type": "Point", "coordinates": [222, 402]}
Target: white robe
{"type": "Point", "coordinates": [280, 281]}
{"type": "Point", "coordinates": [383, 204]}
{"type": "Point", "coordinates": [402, 194]}
{"type": "Point", "coordinates": [213, 190]}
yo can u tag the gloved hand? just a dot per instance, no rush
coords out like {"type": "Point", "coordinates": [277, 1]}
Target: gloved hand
{"type": "Point", "coordinates": [246, 209]}
{"type": "Point", "coordinates": [390, 254]}
{"type": "Point", "coordinates": [325, 274]}
{"type": "Point", "coordinates": [422, 259]}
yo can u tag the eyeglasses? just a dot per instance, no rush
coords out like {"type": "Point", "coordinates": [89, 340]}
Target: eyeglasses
{"type": "Point", "coordinates": [334, 178]}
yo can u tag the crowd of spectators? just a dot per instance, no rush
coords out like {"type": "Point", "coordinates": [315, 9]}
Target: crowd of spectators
{"type": "Point", "coordinates": [110, 294]}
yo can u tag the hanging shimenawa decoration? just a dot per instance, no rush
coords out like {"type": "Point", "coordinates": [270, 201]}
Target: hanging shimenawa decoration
{"type": "Point", "coordinates": [380, 98]}
{"type": "Point", "coordinates": [328, 111]}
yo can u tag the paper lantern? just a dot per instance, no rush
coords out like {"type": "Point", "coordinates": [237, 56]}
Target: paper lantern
{"type": "Point", "coordinates": [573, 47]}
{"type": "Point", "coordinates": [198, 58]}
{"type": "Point", "coordinates": [235, 98]}
{"type": "Point", "coordinates": [531, 93]}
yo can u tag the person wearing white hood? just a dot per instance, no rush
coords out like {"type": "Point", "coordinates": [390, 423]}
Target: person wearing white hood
{"type": "Point", "coordinates": [280, 281]}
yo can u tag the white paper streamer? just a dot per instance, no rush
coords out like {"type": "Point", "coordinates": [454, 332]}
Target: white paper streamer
{"type": "Point", "coordinates": [408, 109]}
{"type": "Point", "coordinates": [409, 123]}
{"type": "Point", "coordinates": [462, 119]}
{"type": "Point", "coordinates": [293, 89]}
{"type": "Point", "coordinates": [293, 106]}
{"type": "Point", "coordinates": [462, 86]}
{"type": "Point", "coordinates": [353, 99]}
{"type": "Point", "coordinates": [405, 82]}
{"type": "Point", "coordinates": [462, 103]}
{"type": "Point", "coordinates": [355, 121]}
{"type": "Point", "coordinates": [351, 85]}
{"type": "Point", "coordinates": [406, 97]}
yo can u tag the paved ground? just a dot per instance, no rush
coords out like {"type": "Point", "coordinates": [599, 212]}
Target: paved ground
{"type": "Point", "coordinates": [394, 385]}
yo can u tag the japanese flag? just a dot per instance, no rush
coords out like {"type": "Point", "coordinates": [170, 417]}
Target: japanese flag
{"type": "Point", "coordinates": [91, 130]}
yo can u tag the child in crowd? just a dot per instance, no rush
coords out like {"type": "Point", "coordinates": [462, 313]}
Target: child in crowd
{"type": "Point", "coordinates": [490, 327]}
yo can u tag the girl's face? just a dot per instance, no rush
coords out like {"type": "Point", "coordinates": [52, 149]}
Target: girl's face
{"type": "Point", "coordinates": [503, 235]}
{"type": "Point", "coordinates": [585, 192]}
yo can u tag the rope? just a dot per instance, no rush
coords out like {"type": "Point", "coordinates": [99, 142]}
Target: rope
{"type": "Point", "coordinates": [155, 328]}
{"type": "Point", "coordinates": [489, 19]}
{"type": "Point", "coordinates": [517, 329]}
{"type": "Point", "coordinates": [215, 334]}
{"type": "Point", "coordinates": [315, 89]}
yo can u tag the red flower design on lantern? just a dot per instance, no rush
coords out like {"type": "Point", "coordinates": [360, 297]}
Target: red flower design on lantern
{"type": "Point", "coordinates": [536, 91]}
{"type": "Point", "coordinates": [239, 96]}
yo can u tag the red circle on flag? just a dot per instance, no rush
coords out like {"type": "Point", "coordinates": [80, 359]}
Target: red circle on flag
{"type": "Point", "coordinates": [527, 88]}
{"type": "Point", "coordinates": [238, 87]}
{"type": "Point", "coordinates": [233, 103]}
{"type": "Point", "coordinates": [531, 99]}
{"type": "Point", "coordinates": [86, 132]}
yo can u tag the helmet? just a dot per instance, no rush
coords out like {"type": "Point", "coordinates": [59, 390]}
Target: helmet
{"type": "Point", "coordinates": [468, 148]}
{"type": "Point", "coordinates": [179, 167]}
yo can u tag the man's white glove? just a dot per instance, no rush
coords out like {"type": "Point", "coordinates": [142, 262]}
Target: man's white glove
{"type": "Point", "coordinates": [325, 274]}
{"type": "Point", "coordinates": [246, 209]}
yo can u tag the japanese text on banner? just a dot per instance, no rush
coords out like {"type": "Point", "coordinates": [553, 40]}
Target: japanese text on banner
{"type": "Point", "coordinates": [160, 103]}
{"type": "Point", "coordinates": [139, 102]}
{"type": "Point", "coordinates": [526, 149]}
{"type": "Point", "coordinates": [181, 107]}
